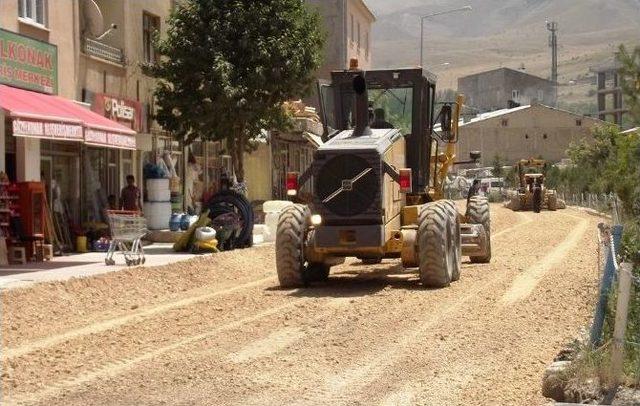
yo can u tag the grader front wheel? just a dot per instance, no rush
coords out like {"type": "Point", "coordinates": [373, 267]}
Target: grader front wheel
{"type": "Point", "coordinates": [290, 237]}
{"type": "Point", "coordinates": [552, 201]}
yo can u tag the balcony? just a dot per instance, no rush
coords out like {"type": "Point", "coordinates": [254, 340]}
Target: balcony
{"type": "Point", "coordinates": [103, 51]}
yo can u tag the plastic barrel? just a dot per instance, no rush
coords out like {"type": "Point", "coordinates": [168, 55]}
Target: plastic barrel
{"type": "Point", "coordinates": [275, 206]}
{"type": "Point", "coordinates": [158, 215]}
{"type": "Point", "coordinates": [174, 223]}
{"type": "Point", "coordinates": [271, 223]}
{"type": "Point", "coordinates": [158, 190]}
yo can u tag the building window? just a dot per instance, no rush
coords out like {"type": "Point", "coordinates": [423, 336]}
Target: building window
{"type": "Point", "coordinates": [540, 95]}
{"type": "Point", "coordinates": [358, 37]}
{"type": "Point", "coordinates": [505, 122]}
{"type": "Point", "coordinates": [150, 24]}
{"type": "Point", "coordinates": [366, 45]}
{"type": "Point", "coordinates": [578, 122]}
{"type": "Point", "coordinates": [544, 136]}
{"type": "Point", "coordinates": [526, 136]}
{"type": "Point", "coordinates": [33, 10]}
{"type": "Point", "coordinates": [353, 32]}
{"type": "Point", "coordinates": [515, 94]}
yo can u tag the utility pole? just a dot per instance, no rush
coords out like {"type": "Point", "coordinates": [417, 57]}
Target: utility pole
{"type": "Point", "coordinates": [552, 27]}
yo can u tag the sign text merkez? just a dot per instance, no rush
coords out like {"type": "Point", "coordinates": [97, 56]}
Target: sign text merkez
{"type": "Point", "coordinates": [28, 63]}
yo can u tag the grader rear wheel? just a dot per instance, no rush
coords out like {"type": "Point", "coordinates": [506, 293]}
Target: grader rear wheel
{"type": "Point", "coordinates": [436, 249]}
{"type": "Point", "coordinates": [478, 213]}
{"type": "Point", "coordinates": [515, 203]}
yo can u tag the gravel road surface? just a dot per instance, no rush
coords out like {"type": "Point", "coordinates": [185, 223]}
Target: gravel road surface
{"type": "Point", "coordinates": [217, 330]}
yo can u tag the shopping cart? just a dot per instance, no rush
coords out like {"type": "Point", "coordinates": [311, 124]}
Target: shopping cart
{"type": "Point", "coordinates": [127, 230]}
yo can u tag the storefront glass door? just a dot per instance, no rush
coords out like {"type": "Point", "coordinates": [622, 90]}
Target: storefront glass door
{"type": "Point", "coordinates": [101, 180]}
{"type": "Point", "coordinates": [60, 175]}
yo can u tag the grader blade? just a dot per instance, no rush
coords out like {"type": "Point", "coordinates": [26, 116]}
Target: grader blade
{"type": "Point", "coordinates": [474, 240]}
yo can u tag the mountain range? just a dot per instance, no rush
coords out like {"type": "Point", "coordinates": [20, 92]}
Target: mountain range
{"type": "Point", "coordinates": [509, 33]}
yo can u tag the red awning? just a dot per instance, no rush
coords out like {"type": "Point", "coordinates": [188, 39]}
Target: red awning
{"type": "Point", "coordinates": [52, 117]}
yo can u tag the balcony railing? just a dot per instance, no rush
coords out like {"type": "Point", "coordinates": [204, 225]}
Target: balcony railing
{"type": "Point", "coordinates": [103, 51]}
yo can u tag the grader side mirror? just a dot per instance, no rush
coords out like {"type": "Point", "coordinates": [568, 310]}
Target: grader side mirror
{"type": "Point", "coordinates": [445, 119]}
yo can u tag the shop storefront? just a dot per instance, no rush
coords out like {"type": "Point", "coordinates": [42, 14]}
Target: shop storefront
{"type": "Point", "coordinates": [198, 168]}
{"type": "Point", "coordinates": [47, 140]}
{"type": "Point", "coordinates": [107, 163]}
{"type": "Point", "coordinates": [204, 165]}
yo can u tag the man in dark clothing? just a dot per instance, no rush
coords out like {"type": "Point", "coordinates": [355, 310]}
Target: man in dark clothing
{"type": "Point", "coordinates": [379, 120]}
{"type": "Point", "coordinates": [130, 197]}
{"type": "Point", "coordinates": [473, 190]}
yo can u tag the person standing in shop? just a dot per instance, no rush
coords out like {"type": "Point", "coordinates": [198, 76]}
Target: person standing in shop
{"type": "Point", "coordinates": [130, 197]}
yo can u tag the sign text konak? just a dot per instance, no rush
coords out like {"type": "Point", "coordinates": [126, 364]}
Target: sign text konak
{"type": "Point", "coordinates": [28, 63]}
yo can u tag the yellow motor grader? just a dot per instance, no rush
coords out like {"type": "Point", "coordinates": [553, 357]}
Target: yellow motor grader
{"type": "Point", "coordinates": [532, 194]}
{"type": "Point", "coordinates": [378, 184]}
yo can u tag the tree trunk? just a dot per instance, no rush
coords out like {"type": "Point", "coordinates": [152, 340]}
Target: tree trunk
{"type": "Point", "coordinates": [238, 155]}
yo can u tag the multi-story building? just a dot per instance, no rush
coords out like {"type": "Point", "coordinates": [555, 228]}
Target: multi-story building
{"type": "Point", "coordinates": [93, 49]}
{"type": "Point", "coordinates": [609, 94]}
{"type": "Point", "coordinates": [504, 88]}
{"type": "Point", "coordinates": [348, 25]}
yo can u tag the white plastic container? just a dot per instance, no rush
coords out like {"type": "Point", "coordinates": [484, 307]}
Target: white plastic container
{"type": "Point", "coordinates": [275, 206]}
{"type": "Point", "coordinates": [263, 231]}
{"type": "Point", "coordinates": [158, 215]}
{"type": "Point", "coordinates": [158, 190]}
{"type": "Point", "coordinates": [205, 234]}
{"type": "Point", "coordinates": [258, 239]}
{"type": "Point", "coordinates": [271, 223]}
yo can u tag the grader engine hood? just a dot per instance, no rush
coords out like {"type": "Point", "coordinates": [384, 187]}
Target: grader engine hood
{"type": "Point", "coordinates": [348, 175]}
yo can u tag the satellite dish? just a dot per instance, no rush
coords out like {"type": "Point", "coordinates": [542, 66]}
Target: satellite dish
{"type": "Point", "coordinates": [93, 20]}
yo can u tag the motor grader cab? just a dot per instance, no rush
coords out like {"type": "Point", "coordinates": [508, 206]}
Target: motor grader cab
{"type": "Point", "coordinates": [378, 182]}
{"type": "Point", "coordinates": [532, 194]}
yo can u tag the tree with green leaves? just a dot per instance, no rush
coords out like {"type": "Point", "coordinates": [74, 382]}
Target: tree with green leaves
{"type": "Point", "coordinates": [498, 163]}
{"type": "Point", "coordinates": [227, 67]}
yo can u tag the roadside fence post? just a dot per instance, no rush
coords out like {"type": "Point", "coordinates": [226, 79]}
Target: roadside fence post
{"type": "Point", "coordinates": [622, 310]}
{"type": "Point", "coordinates": [605, 288]}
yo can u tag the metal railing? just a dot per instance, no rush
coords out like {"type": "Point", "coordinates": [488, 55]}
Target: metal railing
{"type": "Point", "coordinates": [621, 274]}
{"type": "Point", "coordinates": [103, 51]}
{"type": "Point", "coordinates": [604, 203]}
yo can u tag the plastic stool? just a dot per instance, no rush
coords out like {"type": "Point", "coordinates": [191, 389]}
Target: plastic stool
{"type": "Point", "coordinates": [47, 251]}
{"type": "Point", "coordinates": [21, 256]}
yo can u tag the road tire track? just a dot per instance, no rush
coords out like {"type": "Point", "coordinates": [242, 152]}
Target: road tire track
{"type": "Point", "coordinates": [116, 322]}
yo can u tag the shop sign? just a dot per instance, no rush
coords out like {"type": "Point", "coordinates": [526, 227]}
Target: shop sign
{"type": "Point", "coordinates": [123, 111]}
{"type": "Point", "coordinates": [28, 63]}
{"type": "Point", "coordinates": [45, 129]}
{"type": "Point", "coordinates": [109, 139]}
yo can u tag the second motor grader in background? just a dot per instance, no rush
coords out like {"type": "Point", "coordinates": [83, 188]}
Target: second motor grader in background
{"type": "Point", "coordinates": [532, 193]}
